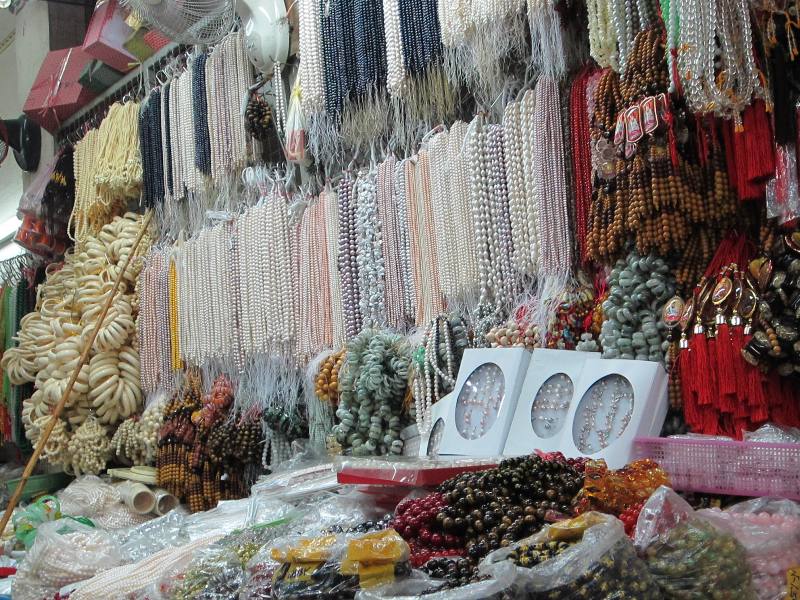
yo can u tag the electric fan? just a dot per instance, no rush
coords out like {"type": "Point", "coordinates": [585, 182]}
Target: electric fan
{"type": "Point", "coordinates": [265, 24]}
{"type": "Point", "coordinates": [25, 138]}
{"type": "Point", "coordinates": [186, 21]}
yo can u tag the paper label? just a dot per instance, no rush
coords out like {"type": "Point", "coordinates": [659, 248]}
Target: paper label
{"type": "Point", "coordinates": [649, 114]}
{"type": "Point", "coordinates": [793, 583]}
{"type": "Point", "coordinates": [633, 125]}
{"type": "Point", "coordinates": [619, 131]}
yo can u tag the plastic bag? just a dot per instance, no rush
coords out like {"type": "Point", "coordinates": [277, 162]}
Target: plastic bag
{"type": "Point", "coordinates": [65, 551]}
{"type": "Point", "coordinates": [772, 433]}
{"type": "Point", "coordinates": [500, 586]}
{"type": "Point", "coordinates": [295, 146]}
{"type": "Point", "coordinates": [769, 531]}
{"type": "Point", "coordinates": [688, 555]}
{"type": "Point", "coordinates": [91, 497]}
{"type": "Point", "coordinates": [139, 542]}
{"type": "Point", "coordinates": [601, 564]}
{"type": "Point", "coordinates": [337, 567]}
{"type": "Point", "coordinates": [27, 521]}
{"type": "Point", "coordinates": [218, 572]}
{"type": "Point", "coordinates": [612, 492]}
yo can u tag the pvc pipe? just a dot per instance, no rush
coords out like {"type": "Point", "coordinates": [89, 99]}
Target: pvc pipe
{"type": "Point", "coordinates": [137, 496]}
{"type": "Point", "coordinates": [165, 502]}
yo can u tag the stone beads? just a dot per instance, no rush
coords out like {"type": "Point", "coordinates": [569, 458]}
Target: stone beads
{"type": "Point", "coordinates": [633, 329]}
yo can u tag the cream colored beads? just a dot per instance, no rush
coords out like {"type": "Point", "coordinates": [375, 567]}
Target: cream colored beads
{"type": "Point", "coordinates": [51, 339]}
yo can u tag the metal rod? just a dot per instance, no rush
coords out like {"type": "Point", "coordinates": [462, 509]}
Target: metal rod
{"type": "Point", "coordinates": [117, 90]}
{"type": "Point", "coordinates": [37, 452]}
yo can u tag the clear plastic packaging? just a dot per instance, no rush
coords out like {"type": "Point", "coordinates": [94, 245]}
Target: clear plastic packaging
{"type": "Point", "coordinates": [91, 497]}
{"type": "Point", "coordinates": [65, 551]}
{"type": "Point", "coordinates": [772, 433]}
{"type": "Point", "coordinates": [139, 542]}
{"type": "Point", "coordinates": [337, 567]}
{"type": "Point", "coordinates": [613, 491]}
{"type": "Point", "coordinates": [782, 197]}
{"type": "Point", "coordinates": [295, 147]}
{"type": "Point", "coordinates": [27, 520]}
{"type": "Point", "coordinates": [219, 571]}
{"type": "Point", "coordinates": [500, 586]}
{"type": "Point", "coordinates": [601, 563]}
{"type": "Point", "coordinates": [769, 531]}
{"type": "Point", "coordinates": [689, 555]}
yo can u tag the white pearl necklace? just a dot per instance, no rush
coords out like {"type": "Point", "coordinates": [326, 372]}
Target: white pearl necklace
{"type": "Point", "coordinates": [371, 272]}
{"type": "Point", "coordinates": [602, 37]}
{"type": "Point", "coordinates": [312, 78]}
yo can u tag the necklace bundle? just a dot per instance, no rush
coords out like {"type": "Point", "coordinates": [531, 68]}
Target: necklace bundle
{"type": "Point", "coordinates": [436, 363]}
{"type": "Point", "coordinates": [392, 245]}
{"type": "Point", "coordinates": [715, 38]}
{"type": "Point", "coordinates": [672, 197]}
{"type": "Point", "coordinates": [372, 394]}
{"type": "Point", "coordinates": [602, 34]}
{"type": "Point", "coordinates": [151, 150]}
{"type": "Point", "coordinates": [348, 257]}
{"type": "Point", "coordinates": [315, 306]}
{"type": "Point", "coordinates": [371, 267]}
{"type": "Point", "coordinates": [92, 208]}
{"type": "Point", "coordinates": [118, 168]}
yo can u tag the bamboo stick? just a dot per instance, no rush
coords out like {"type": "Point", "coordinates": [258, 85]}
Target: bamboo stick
{"type": "Point", "coordinates": [37, 452]}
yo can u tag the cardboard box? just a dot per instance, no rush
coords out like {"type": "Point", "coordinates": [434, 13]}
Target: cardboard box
{"type": "Point", "coordinates": [106, 36]}
{"type": "Point", "coordinates": [56, 93]}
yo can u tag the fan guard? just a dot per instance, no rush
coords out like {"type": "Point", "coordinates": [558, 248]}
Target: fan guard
{"type": "Point", "coordinates": [186, 21]}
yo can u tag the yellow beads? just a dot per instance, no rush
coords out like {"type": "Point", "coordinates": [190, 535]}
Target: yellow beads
{"type": "Point", "coordinates": [175, 343]}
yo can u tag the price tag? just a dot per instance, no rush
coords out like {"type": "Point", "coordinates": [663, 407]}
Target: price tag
{"type": "Point", "coordinates": [793, 583]}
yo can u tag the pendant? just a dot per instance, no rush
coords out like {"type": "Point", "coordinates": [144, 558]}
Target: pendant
{"type": "Point", "coordinates": [673, 312]}
{"type": "Point", "coordinates": [649, 114]}
{"type": "Point", "coordinates": [633, 125]}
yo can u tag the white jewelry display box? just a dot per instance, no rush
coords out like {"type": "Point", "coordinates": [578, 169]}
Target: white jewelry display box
{"type": "Point", "coordinates": [484, 400]}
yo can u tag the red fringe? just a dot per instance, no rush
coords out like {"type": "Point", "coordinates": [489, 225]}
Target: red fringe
{"type": "Point", "coordinates": [727, 362]}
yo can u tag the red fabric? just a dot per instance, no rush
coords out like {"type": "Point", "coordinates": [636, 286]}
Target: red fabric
{"type": "Point", "coordinates": [56, 93]}
{"type": "Point", "coordinates": [106, 34]}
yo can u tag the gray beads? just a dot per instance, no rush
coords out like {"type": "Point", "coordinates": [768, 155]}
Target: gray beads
{"type": "Point", "coordinates": [638, 289]}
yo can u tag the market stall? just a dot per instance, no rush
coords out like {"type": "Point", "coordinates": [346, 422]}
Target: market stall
{"type": "Point", "coordinates": [400, 298]}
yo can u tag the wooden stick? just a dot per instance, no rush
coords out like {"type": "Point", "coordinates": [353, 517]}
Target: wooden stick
{"type": "Point", "coordinates": [37, 452]}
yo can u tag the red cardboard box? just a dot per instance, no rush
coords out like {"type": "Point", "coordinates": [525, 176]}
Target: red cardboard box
{"type": "Point", "coordinates": [56, 94]}
{"type": "Point", "coordinates": [107, 34]}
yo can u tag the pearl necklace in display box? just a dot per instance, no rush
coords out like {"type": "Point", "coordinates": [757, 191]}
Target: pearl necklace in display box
{"type": "Point", "coordinates": [430, 444]}
{"type": "Point", "coordinates": [614, 401]}
{"type": "Point", "coordinates": [484, 401]}
{"type": "Point", "coordinates": [547, 395]}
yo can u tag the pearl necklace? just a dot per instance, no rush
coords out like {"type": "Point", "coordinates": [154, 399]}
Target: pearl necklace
{"type": "Point", "coordinates": [602, 37]}
{"type": "Point", "coordinates": [330, 200]}
{"type": "Point", "coordinates": [409, 287]}
{"type": "Point", "coordinates": [527, 110]}
{"type": "Point", "coordinates": [371, 269]}
{"type": "Point", "coordinates": [517, 199]}
{"type": "Point", "coordinates": [467, 264]}
{"type": "Point", "coordinates": [312, 78]}
{"type": "Point", "coordinates": [505, 288]}
{"type": "Point", "coordinates": [556, 255]}
{"type": "Point", "coordinates": [395, 67]}
{"type": "Point", "coordinates": [348, 263]}
{"type": "Point", "coordinates": [447, 245]}
{"type": "Point", "coordinates": [391, 245]}
{"type": "Point", "coordinates": [430, 301]}
{"type": "Point", "coordinates": [480, 195]}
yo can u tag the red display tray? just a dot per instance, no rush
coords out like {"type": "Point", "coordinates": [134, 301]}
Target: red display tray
{"type": "Point", "coordinates": [407, 472]}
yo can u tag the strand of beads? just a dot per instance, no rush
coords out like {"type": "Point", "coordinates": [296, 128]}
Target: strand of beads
{"type": "Point", "coordinates": [348, 261]}
{"type": "Point", "coordinates": [372, 393]}
{"type": "Point", "coordinates": [89, 448]}
{"type": "Point", "coordinates": [371, 268]}
{"type": "Point", "coordinates": [391, 245]}
{"type": "Point", "coordinates": [639, 286]}
{"type": "Point", "coordinates": [436, 364]}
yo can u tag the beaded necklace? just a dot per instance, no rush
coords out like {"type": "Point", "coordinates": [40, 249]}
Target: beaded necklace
{"type": "Point", "coordinates": [391, 245]}
{"type": "Point", "coordinates": [312, 77]}
{"type": "Point", "coordinates": [371, 269]}
{"type": "Point", "coordinates": [202, 149]}
{"type": "Point", "coordinates": [347, 260]}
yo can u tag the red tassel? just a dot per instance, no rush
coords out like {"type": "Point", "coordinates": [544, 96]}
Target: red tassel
{"type": "Point", "coordinates": [757, 400]}
{"type": "Point", "coordinates": [672, 142]}
{"type": "Point", "coordinates": [687, 370]}
{"type": "Point", "coordinates": [727, 360]}
{"type": "Point", "coordinates": [698, 345]}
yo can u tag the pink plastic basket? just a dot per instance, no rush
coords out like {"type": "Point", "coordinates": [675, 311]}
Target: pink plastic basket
{"type": "Point", "coordinates": [726, 467]}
